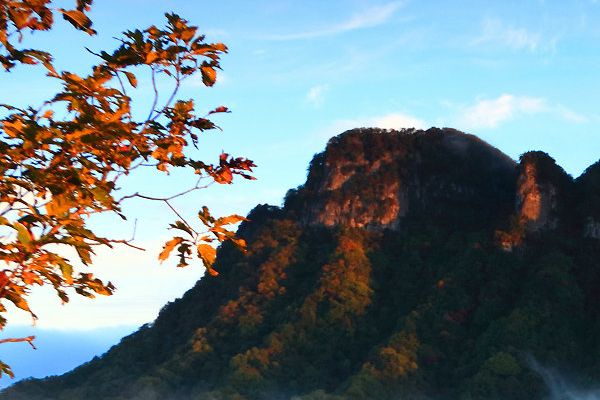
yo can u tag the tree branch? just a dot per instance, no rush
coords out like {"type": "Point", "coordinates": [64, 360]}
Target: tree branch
{"type": "Point", "coordinates": [28, 339]}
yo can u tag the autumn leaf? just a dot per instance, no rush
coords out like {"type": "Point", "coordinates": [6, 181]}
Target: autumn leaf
{"type": "Point", "coordinates": [62, 160]}
{"type": "Point", "coordinates": [168, 248]}
{"type": "Point", "coordinates": [207, 254]}
{"type": "Point", "coordinates": [221, 109]}
{"type": "Point", "coordinates": [151, 57]}
{"type": "Point", "coordinates": [67, 271]}
{"type": "Point", "coordinates": [209, 75]}
{"type": "Point", "coordinates": [223, 176]}
{"type": "Point", "coordinates": [131, 78]}
{"type": "Point", "coordinates": [182, 227]}
{"type": "Point", "coordinates": [230, 219]}
{"type": "Point", "coordinates": [79, 20]}
{"type": "Point", "coordinates": [5, 369]}
{"type": "Point", "coordinates": [23, 234]}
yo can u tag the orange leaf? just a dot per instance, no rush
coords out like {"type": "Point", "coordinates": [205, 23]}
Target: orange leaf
{"type": "Point", "coordinates": [230, 219]}
{"type": "Point", "coordinates": [207, 254]}
{"type": "Point", "coordinates": [209, 75]}
{"type": "Point", "coordinates": [168, 248]}
{"type": "Point", "coordinates": [79, 20]}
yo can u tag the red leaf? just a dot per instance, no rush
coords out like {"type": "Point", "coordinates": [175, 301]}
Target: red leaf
{"type": "Point", "coordinates": [221, 109]}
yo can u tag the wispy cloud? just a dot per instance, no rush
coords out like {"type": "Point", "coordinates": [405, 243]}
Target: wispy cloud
{"type": "Point", "coordinates": [490, 113]}
{"type": "Point", "coordinates": [495, 32]}
{"type": "Point", "coordinates": [316, 95]}
{"type": "Point", "coordinates": [386, 121]}
{"type": "Point", "coordinates": [571, 115]}
{"type": "Point", "coordinates": [368, 18]}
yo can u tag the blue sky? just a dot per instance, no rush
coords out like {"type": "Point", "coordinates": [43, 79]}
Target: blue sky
{"type": "Point", "coordinates": [522, 75]}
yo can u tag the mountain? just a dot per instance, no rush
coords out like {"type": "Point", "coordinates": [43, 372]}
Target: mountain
{"type": "Point", "coordinates": [411, 264]}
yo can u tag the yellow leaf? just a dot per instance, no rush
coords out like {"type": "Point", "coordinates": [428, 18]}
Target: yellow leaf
{"type": "Point", "coordinates": [19, 302]}
{"type": "Point", "coordinates": [23, 234]}
{"type": "Point", "coordinates": [67, 271]}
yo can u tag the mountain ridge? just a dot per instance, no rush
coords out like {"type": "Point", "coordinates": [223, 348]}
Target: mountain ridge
{"type": "Point", "coordinates": [423, 264]}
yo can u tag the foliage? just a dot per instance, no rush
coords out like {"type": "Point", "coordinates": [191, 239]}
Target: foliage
{"type": "Point", "coordinates": [61, 162]}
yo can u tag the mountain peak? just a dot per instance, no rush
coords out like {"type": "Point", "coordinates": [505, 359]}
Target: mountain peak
{"type": "Point", "coordinates": [377, 178]}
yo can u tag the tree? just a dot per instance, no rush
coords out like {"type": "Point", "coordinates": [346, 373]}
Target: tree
{"type": "Point", "coordinates": [60, 162]}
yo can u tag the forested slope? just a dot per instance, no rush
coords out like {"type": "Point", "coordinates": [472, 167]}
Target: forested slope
{"type": "Point", "coordinates": [412, 264]}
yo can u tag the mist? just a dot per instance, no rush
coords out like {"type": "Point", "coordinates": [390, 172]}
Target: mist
{"type": "Point", "coordinates": [561, 388]}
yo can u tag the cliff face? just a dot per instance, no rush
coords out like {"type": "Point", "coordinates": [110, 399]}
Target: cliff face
{"type": "Point", "coordinates": [357, 182]}
{"type": "Point", "coordinates": [376, 179]}
{"type": "Point", "coordinates": [381, 278]}
{"type": "Point", "coordinates": [542, 196]}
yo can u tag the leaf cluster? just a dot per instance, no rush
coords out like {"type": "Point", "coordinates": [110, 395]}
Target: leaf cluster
{"type": "Point", "coordinates": [61, 162]}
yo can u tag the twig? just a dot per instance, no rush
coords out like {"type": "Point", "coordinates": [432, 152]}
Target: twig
{"type": "Point", "coordinates": [142, 196]}
{"type": "Point", "coordinates": [121, 83]}
{"type": "Point", "coordinates": [28, 339]}
{"type": "Point", "coordinates": [182, 219]}
{"type": "Point", "coordinates": [155, 96]}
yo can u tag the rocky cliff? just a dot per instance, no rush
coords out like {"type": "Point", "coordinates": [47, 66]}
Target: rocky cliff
{"type": "Point", "coordinates": [543, 192]}
{"type": "Point", "coordinates": [375, 179]}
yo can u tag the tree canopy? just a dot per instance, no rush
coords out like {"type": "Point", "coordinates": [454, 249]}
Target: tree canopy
{"type": "Point", "coordinates": [61, 161]}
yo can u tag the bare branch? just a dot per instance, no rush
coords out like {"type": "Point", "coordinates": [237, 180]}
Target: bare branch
{"type": "Point", "coordinates": [28, 339]}
{"type": "Point", "coordinates": [142, 196]}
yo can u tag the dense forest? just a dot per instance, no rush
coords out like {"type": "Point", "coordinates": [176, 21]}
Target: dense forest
{"type": "Point", "coordinates": [412, 264]}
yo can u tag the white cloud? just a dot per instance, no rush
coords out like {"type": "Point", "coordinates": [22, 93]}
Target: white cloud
{"type": "Point", "coordinates": [397, 121]}
{"type": "Point", "coordinates": [368, 18]}
{"type": "Point", "coordinates": [387, 121]}
{"type": "Point", "coordinates": [316, 95]}
{"type": "Point", "coordinates": [143, 285]}
{"type": "Point", "coordinates": [490, 113]}
{"type": "Point", "coordinates": [494, 32]}
{"type": "Point", "coordinates": [571, 115]}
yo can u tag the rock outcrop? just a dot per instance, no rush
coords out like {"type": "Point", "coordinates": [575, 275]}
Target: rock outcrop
{"type": "Point", "coordinates": [542, 192]}
{"type": "Point", "coordinates": [376, 179]}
